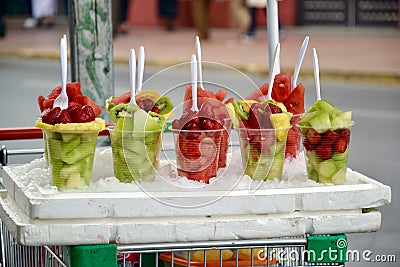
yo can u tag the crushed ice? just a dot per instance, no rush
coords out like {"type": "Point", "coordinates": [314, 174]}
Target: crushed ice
{"type": "Point", "coordinates": [35, 178]}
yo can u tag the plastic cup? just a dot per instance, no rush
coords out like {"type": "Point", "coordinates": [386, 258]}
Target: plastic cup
{"type": "Point", "coordinates": [294, 138]}
{"type": "Point", "coordinates": [326, 153]}
{"type": "Point", "coordinates": [70, 156]}
{"type": "Point", "coordinates": [223, 153]}
{"type": "Point", "coordinates": [46, 152]}
{"type": "Point", "coordinates": [197, 153]}
{"type": "Point", "coordinates": [263, 152]}
{"type": "Point", "coordinates": [135, 154]}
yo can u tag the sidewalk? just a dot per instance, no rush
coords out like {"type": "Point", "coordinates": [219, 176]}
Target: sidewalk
{"type": "Point", "coordinates": [342, 52]}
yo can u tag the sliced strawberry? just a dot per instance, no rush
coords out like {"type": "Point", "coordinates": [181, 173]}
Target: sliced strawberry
{"type": "Point", "coordinates": [40, 103]}
{"type": "Point", "coordinates": [122, 99]}
{"type": "Point", "coordinates": [274, 108]}
{"type": "Point", "coordinates": [189, 116]}
{"type": "Point", "coordinates": [313, 136]}
{"type": "Point", "coordinates": [307, 145]}
{"type": "Point", "coordinates": [341, 145]}
{"type": "Point", "coordinates": [211, 124]}
{"type": "Point", "coordinates": [256, 115]}
{"type": "Point", "coordinates": [294, 103]}
{"type": "Point", "coordinates": [221, 94]}
{"type": "Point", "coordinates": [191, 126]}
{"type": "Point", "coordinates": [85, 114]}
{"type": "Point", "coordinates": [85, 100]}
{"type": "Point", "coordinates": [330, 137]}
{"type": "Point", "coordinates": [50, 117]}
{"type": "Point", "coordinates": [155, 110]}
{"type": "Point", "coordinates": [345, 133]}
{"type": "Point", "coordinates": [324, 152]}
{"type": "Point", "coordinates": [64, 117]}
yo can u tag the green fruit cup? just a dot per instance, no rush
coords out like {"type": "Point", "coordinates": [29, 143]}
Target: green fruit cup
{"type": "Point", "coordinates": [135, 154]}
{"type": "Point", "coordinates": [197, 153]}
{"type": "Point", "coordinates": [326, 153]}
{"type": "Point", "coordinates": [263, 153]}
{"type": "Point", "coordinates": [70, 156]}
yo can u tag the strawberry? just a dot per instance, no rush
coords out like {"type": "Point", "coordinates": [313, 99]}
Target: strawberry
{"type": "Point", "coordinates": [324, 152]}
{"type": "Point", "coordinates": [345, 133]}
{"type": "Point", "coordinates": [256, 115]}
{"type": "Point", "coordinates": [189, 115]}
{"type": "Point", "coordinates": [330, 137]}
{"type": "Point", "coordinates": [50, 117]}
{"type": "Point", "coordinates": [85, 100]}
{"type": "Point", "coordinates": [210, 124]}
{"type": "Point", "coordinates": [146, 104]}
{"type": "Point", "coordinates": [64, 117]}
{"type": "Point", "coordinates": [85, 114]}
{"type": "Point", "coordinates": [341, 145]}
{"type": "Point", "coordinates": [307, 145]}
{"type": "Point", "coordinates": [191, 126]}
{"type": "Point", "coordinates": [274, 108]}
{"type": "Point", "coordinates": [313, 136]}
{"type": "Point", "coordinates": [155, 110]}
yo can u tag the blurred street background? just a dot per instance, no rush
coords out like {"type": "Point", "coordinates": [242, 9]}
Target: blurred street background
{"type": "Point", "coordinates": [359, 58]}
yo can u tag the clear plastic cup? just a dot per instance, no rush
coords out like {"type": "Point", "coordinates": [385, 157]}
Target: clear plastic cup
{"type": "Point", "coordinates": [223, 153]}
{"type": "Point", "coordinates": [294, 138]}
{"type": "Point", "coordinates": [70, 156]}
{"type": "Point", "coordinates": [136, 154]}
{"type": "Point", "coordinates": [197, 153]}
{"type": "Point", "coordinates": [326, 152]}
{"type": "Point", "coordinates": [263, 152]}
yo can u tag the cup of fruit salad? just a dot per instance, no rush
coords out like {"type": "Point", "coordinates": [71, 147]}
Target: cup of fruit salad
{"type": "Point", "coordinates": [70, 136]}
{"type": "Point", "coordinates": [198, 138]}
{"type": "Point", "coordinates": [326, 135]}
{"type": "Point", "coordinates": [136, 143]}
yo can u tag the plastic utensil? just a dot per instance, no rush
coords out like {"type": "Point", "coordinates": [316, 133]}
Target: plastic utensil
{"type": "Point", "coordinates": [140, 68]}
{"type": "Point", "coordinates": [132, 75]}
{"type": "Point", "coordinates": [199, 66]}
{"type": "Point", "coordinates": [316, 74]}
{"type": "Point", "coordinates": [193, 75]}
{"type": "Point", "coordinates": [299, 61]}
{"type": "Point", "coordinates": [273, 71]}
{"type": "Point", "coordinates": [62, 99]}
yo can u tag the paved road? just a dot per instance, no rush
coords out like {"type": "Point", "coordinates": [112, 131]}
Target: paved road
{"type": "Point", "coordinates": [374, 145]}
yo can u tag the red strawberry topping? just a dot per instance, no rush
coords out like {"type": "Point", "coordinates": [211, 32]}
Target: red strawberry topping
{"type": "Point", "coordinates": [50, 117]}
{"type": "Point", "coordinates": [64, 117]}
{"type": "Point", "coordinates": [324, 152]}
{"type": "Point", "coordinates": [313, 136]}
{"type": "Point", "coordinates": [341, 145]}
{"type": "Point", "coordinates": [330, 137]}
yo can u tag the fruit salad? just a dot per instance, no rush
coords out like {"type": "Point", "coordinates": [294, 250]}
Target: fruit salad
{"type": "Point", "coordinates": [292, 99]}
{"type": "Point", "coordinates": [263, 129]}
{"type": "Point", "coordinates": [197, 137]}
{"type": "Point", "coordinates": [216, 101]}
{"type": "Point", "coordinates": [136, 142]}
{"type": "Point", "coordinates": [326, 137]}
{"type": "Point", "coordinates": [70, 136]}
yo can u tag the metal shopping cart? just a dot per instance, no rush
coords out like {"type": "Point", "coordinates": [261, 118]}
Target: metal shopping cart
{"type": "Point", "coordinates": [29, 238]}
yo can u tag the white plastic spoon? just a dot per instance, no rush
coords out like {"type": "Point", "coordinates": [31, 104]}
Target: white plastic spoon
{"type": "Point", "coordinates": [193, 75]}
{"type": "Point", "coordinates": [62, 100]}
{"type": "Point", "coordinates": [273, 71]}
{"type": "Point", "coordinates": [199, 67]}
{"type": "Point", "coordinates": [140, 69]}
{"type": "Point", "coordinates": [300, 61]}
{"type": "Point", "coordinates": [132, 74]}
{"type": "Point", "coordinates": [316, 74]}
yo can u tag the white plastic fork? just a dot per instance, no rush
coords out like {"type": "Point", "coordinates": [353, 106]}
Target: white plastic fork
{"type": "Point", "coordinates": [62, 100]}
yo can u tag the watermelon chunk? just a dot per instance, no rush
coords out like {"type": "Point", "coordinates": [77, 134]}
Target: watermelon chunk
{"type": "Point", "coordinates": [122, 99]}
{"type": "Point", "coordinates": [294, 103]}
{"type": "Point", "coordinates": [258, 94]}
{"type": "Point", "coordinates": [85, 100]}
{"type": "Point", "coordinates": [281, 87]}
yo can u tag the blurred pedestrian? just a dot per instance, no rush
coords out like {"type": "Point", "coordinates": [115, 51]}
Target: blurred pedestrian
{"type": "Point", "coordinates": [42, 13]}
{"type": "Point", "coordinates": [200, 14]}
{"type": "Point", "coordinates": [253, 5]}
{"type": "Point", "coordinates": [2, 23]}
{"type": "Point", "coordinates": [168, 9]}
{"type": "Point", "coordinates": [243, 18]}
{"type": "Point", "coordinates": [119, 16]}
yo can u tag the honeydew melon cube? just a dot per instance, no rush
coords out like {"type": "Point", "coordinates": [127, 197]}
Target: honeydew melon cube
{"type": "Point", "coordinates": [277, 167]}
{"type": "Point", "coordinates": [75, 181]}
{"type": "Point", "coordinates": [327, 168]}
{"type": "Point", "coordinates": [340, 176]}
{"type": "Point", "coordinates": [343, 119]}
{"type": "Point", "coordinates": [321, 123]}
{"type": "Point", "coordinates": [340, 156]}
{"type": "Point", "coordinates": [326, 106]}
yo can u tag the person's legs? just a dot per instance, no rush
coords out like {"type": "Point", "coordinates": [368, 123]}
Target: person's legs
{"type": "Point", "coordinates": [200, 17]}
{"type": "Point", "coordinates": [242, 15]}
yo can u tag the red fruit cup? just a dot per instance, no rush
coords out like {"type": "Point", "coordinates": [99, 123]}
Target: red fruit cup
{"type": "Point", "coordinates": [197, 153]}
{"type": "Point", "coordinates": [294, 138]}
{"type": "Point", "coordinates": [223, 153]}
{"type": "Point", "coordinates": [263, 152]}
{"type": "Point", "coordinates": [326, 153]}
